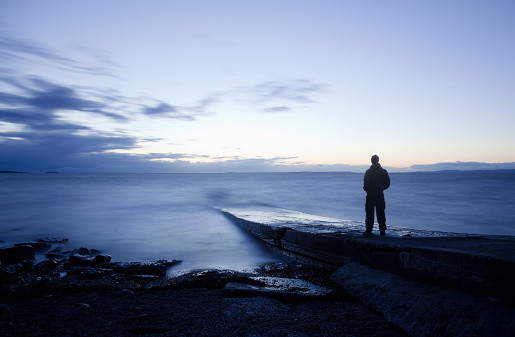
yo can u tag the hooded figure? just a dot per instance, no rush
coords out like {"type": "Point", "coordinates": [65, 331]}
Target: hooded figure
{"type": "Point", "coordinates": [376, 180]}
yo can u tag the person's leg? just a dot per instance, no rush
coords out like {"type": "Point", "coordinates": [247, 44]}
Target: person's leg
{"type": "Point", "coordinates": [381, 216]}
{"type": "Point", "coordinates": [369, 210]}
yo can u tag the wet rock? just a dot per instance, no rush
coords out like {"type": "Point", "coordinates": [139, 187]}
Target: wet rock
{"type": "Point", "coordinates": [38, 246]}
{"type": "Point", "coordinates": [16, 254]}
{"type": "Point", "coordinates": [157, 268]}
{"type": "Point", "coordinates": [79, 261]}
{"type": "Point", "coordinates": [102, 258]}
{"type": "Point", "coordinates": [50, 239]}
{"type": "Point", "coordinates": [46, 267]}
{"type": "Point", "coordinates": [55, 254]}
{"type": "Point", "coordinates": [83, 251]}
{"type": "Point", "coordinates": [213, 279]}
{"type": "Point", "coordinates": [274, 267]}
{"type": "Point", "coordinates": [143, 277]}
{"type": "Point", "coordinates": [10, 270]}
{"type": "Point", "coordinates": [84, 305]}
{"type": "Point", "coordinates": [89, 274]}
{"type": "Point", "coordinates": [277, 287]}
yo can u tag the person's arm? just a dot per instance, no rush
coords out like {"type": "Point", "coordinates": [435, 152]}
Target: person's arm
{"type": "Point", "coordinates": [386, 180]}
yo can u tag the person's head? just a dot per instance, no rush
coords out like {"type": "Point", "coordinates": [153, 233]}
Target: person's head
{"type": "Point", "coordinates": [375, 159]}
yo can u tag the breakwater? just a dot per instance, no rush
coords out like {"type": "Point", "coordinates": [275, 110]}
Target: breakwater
{"type": "Point", "coordinates": [476, 272]}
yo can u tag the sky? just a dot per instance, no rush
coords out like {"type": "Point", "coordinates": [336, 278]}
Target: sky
{"type": "Point", "coordinates": [255, 86]}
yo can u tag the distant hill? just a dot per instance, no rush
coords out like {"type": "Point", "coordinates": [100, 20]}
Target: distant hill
{"type": "Point", "coordinates": [461, 166]}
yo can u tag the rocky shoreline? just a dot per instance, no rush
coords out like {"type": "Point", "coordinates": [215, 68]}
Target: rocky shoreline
{"type": "Point", "coordinates": [81, 292]}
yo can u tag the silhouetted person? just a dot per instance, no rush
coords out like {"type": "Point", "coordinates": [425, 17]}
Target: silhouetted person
{"type": "Point", "coordinates": [375, 182]}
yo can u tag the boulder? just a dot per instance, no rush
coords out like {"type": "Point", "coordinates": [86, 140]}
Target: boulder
{"type": "Point", "coordinates": [46, 267]}
{"type": "Point", "coordinates": [79, 261]}
{"type": "Point", "coordinates": [16, 254]}
{"type": "Point", "coordinates": [10, 270]}
{"type": "Point", "coordinates": [83, 251]}
{"type": "Point", "coordinates": [102, 258]}
{"type": "Point", "coordinates": [38, 246]}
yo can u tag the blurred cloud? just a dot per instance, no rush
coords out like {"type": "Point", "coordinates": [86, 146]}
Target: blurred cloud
{"type": "Point", "coordinates": [275, 96]}
{"type": "Point", "coordinates": [43, 139]}
{"type": "Point", "coordinates": [19, 52]}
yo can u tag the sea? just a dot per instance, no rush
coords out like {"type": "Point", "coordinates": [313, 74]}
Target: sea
{"type": "Point", "coordinates": [142, 217]}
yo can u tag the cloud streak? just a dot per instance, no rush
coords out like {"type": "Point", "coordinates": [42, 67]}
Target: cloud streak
{"type": "Point", "coordinates": [20, 52]}
{"type": "Point", "coordinates": [275, 96]}
{"type": "Point", "coordinates": [46, 139]}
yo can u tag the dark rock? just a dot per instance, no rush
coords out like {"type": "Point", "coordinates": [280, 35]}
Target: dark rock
{"type": "Point", "coordinates": [56, 253]}
{"type": "Point", "coordinates": [55, 256]}
{"type": "Point", "coordinates": [6, 313]}
{"type": "Point", "coordinates": [143, 277]}
{"type": "Point", "coordinates": [16, 254]}
{"type": "Point", "coordinates": [126, 292]}
{"type": "Point", "coordinates": [157, 268]}
{"type": "Point", "coordinates": [213, 279]}
{"type": "Point", "coordinates": [79, 261]}
{"type": "Point", "coordinates": [277, 287]}
{"type": "Point", "coordinates": [274, 267]}
{"type": "Point", "coordinates": [38, 246]}
{"type": "Point", "coordinates": [10, 270]}
{"type": "Point", "coordinates": [83, 251]}
{"type": "Point", "coordinates": [84, 305]}
{"type": "Point", "coordinates": [102, 258]}
{"type": "Point", "coordinates": [166, 263]}
{"type": "Point", "coordinates": [78, 270]}
{"type": "Point", "coordinates": [52, 239]}
{"type": "Point", "coordinates": [56, 250]}
{"type": "Point", "coordinates": [46, 267]}
{"type": "Point", "coordinates": [89, 274]}
{"type": "Point", "coordinates": [146, 269]}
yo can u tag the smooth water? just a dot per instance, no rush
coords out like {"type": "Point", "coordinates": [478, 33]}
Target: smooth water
{"type": "Point", "coordinates": [171, 216]}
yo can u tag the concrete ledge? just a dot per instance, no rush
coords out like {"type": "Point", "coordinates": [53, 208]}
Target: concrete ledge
{"type": "Point", "coordinates": [481, 265]}
{"type": "Point", "coordinates": [423, 309]}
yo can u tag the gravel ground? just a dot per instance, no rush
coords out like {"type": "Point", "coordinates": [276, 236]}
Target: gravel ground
{"type": "Point", "coordinates": [190, 305]}
{"type": "Point", "coordinates": [187, 312]}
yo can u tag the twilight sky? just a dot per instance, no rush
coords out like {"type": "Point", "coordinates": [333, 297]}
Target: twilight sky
{"type": "Point", "coordinates": [269, 85]}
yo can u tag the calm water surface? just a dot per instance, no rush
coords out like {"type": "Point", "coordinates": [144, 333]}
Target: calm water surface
{"type": "Point", "coordinates": [155, 216]}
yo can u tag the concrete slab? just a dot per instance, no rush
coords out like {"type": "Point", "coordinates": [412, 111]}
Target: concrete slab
{"type": "Point", "coordinates": [423, 309]}
{"type": "Point", "coordinates": [480, 264]}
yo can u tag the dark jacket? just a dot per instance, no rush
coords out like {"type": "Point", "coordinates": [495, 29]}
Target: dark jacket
{"type": "Point", "coordinates": [376, 179]}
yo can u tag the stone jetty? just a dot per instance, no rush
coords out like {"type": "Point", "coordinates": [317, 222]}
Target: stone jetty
{"type": "Point", "coordinates": [426, 282]}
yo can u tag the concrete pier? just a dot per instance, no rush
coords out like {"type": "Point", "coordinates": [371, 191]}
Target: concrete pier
{"type": "Point", "coordinates": [427, 283]}
{"type": "Point", "coordinates": [479, 264]}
